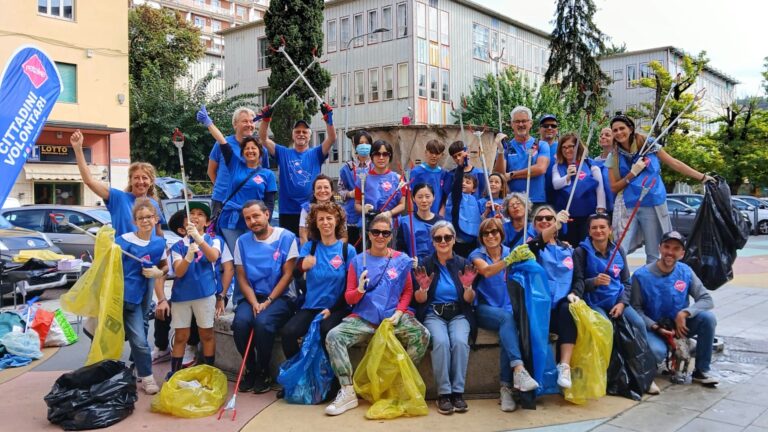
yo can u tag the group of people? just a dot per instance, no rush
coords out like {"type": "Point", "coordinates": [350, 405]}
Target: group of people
{"type": "Point", "coordinates": [438, 246]}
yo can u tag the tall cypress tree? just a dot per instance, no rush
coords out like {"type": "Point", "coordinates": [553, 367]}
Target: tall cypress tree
{"type": "Point", "coordinates": [300, 23]}
{"type": "Point", "coordinates": [576, 42]}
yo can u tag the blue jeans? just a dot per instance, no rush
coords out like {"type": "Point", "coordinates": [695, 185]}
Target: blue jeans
{"type": "Point", "coordinates": [230, 238]}
{"type": "Point", "coordinates": [133, 321]}
{"type": "Point", "coordinates": [703, 327]}
{"type": "Point", "coordinates": [647, 221]}
{"type": "Point", "coordinates": [502, 321]}
{"type": "Point", "coordinates": [632, 316]}
{"type": "Point", "coordinates": [450, 352]}
{"type": "Point", "coordinates": [265, 325]}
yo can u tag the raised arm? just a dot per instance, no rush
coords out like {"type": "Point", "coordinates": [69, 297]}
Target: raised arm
{"type": "Point", "coordinates": [266, 117]}
{"type": "Point", "coordinates": [501, 162]}
{"type": "Point", "coordinates": [330, 136]}
{"type": "Point", "coordinates": [99, 188]}
{"type": "Point", "coordinates": [681, 167]}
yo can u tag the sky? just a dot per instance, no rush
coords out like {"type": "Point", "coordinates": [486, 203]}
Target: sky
{"type": "Point", "coordinates": [733, 33]}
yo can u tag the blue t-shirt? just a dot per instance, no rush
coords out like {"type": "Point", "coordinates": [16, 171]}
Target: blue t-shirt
{"type": "Point", "coordinates": [326, 281]}
{"type": "Point", "coordinates": [517, 159]}
{"type": "Point", "coordinates": [262, 181]}
{"type": "Point", "coordinates": [445, 291]}
{"type": "Point", "coordinates": [120, 206]}
{"type": "Point", "coordinates": [152, 251]}
{"type": "Point", "coordinates": [492, 290]}
{"type": "Point", "coordinates": [297, 171]}
{"type": "Point", "coordinates": [436, 177]}
{"type": "Point", "coordinates": [201, 278]}
{"type": "Point", "coordinates": [221, 186]}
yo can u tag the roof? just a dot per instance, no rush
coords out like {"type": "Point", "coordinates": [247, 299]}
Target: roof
{"type": "Point", "coordinates": [678, 52]}
{"type": "Point", "coordinates": [54, 125]}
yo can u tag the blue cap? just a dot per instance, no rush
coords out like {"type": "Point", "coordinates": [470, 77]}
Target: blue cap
{"type": "Point", "coordinates": [546, 117]}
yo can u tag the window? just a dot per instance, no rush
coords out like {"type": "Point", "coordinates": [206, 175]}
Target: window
{"type": "Point", "coordinates": [445, 77]}
{"type": "Point", "coordinates": [504, 51]}
{"type": "Point", "coordinates": [56, 8]}
{"type": "Point", "coordinates": [645, 70]}
{"type": "Point", "coordinates": [200, 22]}
{"type": "Point", "coordinates": [444, 36]}
{"type": "Point", "coordinates": [421, 20]}
{"type": "Point", "coordinates": [373, 24]}
{"type": "Point", "coordinates": [402, 22]}
{"type": "Point", "coordinates": [528, 56]}
{"type": "Point", "coordinates": [58, 193]}
{"type": "Point", "coordinates": [262, 98]}
{"type": "Point", "coordinates": [344, 89]}
{"type": "Point", "coordinates": [68, 74]}
{"type": "Point", "coordinates": [480, 42]}
{"type": "Point", "coordinates": [386, 22]}
{"type": "Point", "coordinates": [422, 80]}
{"type": "Point", "coordinates": [402, 80]}
{"type": "Point", "coordinates": [33, 219]}
{"type": "Point", "coordinates": [344, 32]}
{"type": "Point", "coordinates": [631, 76]}
{"type": "Point", "coordinates": [618, 75]}
{"type": "Point", "coordinates": [359, 87]}
{"type": "Point", "coordinates": [333, 91]}
{"type": "Point", "coordinates": [445, 57]}
{"type": "Point", "coordinates": [359, 29]}
{"type": "Point", "coordinates": [434, 54]}
{"type": "Point", "coordinates": [495, 43]}
{"type": "Point", "coordinates": [511, 51]}
{"type": "Point", "coordinates": [388, 79]}
{"type": "Point", "coordinates": [331, 36]}
{"type": "Point", "coordinates": [422, 51]}
{"type": "Point", "coordinates": [82, 220]}
{"type": "Point", "coordinates": [241, 11]}
{"type": "Point", "coordinates": [433, 24]}
{"type": "Point", "coordinates": [263, 57]}
{"type": "Point", "coordinates": [434, 89]}
{"type": "Point", "coordinates": [520, 50]}
{"type": "Point", "coordinates": [373, 85]}
{"type": "Point", "coordinates": [215, 25]}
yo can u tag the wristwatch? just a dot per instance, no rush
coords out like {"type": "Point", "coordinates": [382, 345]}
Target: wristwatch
{"type": "Point", "coordinates": [219, 297]}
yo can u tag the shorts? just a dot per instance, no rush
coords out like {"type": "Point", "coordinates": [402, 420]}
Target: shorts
{"type": "Point", "coordinates": [203, 309]}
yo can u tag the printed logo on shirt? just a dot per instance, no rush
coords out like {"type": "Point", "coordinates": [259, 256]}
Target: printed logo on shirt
{"type": "Point", "coordinates": [387, 186]}
{"type": "Point", "coordinates": [297, 173]}
{"type": "Point", "coordinates": [147, 259]}
{"type": "Point", "coordinates": [392, 273]}
{"type": "Point", "coordinates": [276, 255]}
{"type": "Point", "coordinates": [616, 271]}
{"type": "Point", "coordinates": [568, 262]}
{"type": "Point", "coordinates": [680, 285]}
{"type": "Point", "coordinates": [336, 262]}
{"type": "Point", "coordinates": [582, 174]}
{"type": "Point", "coordinates": [258, 179]}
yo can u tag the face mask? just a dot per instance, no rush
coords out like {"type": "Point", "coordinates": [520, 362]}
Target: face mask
{"type": "Point", "coordinates": [363, 150]}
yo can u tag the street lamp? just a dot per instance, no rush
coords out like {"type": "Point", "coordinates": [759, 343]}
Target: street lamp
{"type": "Point", "coordinates": [349, 80]}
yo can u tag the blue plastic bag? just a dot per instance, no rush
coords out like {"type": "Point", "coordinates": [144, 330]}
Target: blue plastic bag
{"type": "Point", "coordinates": [306, 377]}
{"type": "Point", "coordinates": [23, 344]}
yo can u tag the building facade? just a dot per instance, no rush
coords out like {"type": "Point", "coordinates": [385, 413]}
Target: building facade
{"type": "Point", "coordinates": [432, 54]}
{"type": "Point", "coordinates": [625, 68]}
{"type": "Point", "coordinates": [88, 41]}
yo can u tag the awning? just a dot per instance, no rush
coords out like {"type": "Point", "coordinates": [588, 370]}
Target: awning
{"type": "Point", "coordinates": [56, 172]}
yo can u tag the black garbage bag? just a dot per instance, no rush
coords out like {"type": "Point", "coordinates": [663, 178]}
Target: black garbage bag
{"type": "Point", "coordinates": [718, 232]}
{"type": "Point", "coordinates": [92, 397]}
{"type": "Point", "coordinates": [632, 366]}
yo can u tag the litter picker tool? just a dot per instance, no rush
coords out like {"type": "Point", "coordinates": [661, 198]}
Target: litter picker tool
{"type": "Point", "coordinates": [362, 200]}
{"type": "Point", "coordinates": [585, 146]}
{"type": "Point", "coordinates": [178, 141]}
{"type": "Point", "coordinates": [643, 193]}
{"type": "Point", "coordinates": [285, 92]}
{"type": "Point", "coordinates": [528, 189]}
{"type": "Point", "coordinates": [656, 119]}
{"type": "Point", "coordinates": [281, 49]}
{"type": "Point", "coordinates": [479, 135]}
{"type": "Point", "coordinates": [460, 112]}
{"type": "Point", "coordinates": [498, 92]}
{"type": "Point", "coordinates": [409, 206]}
{"type": "Point", "coordinates": [698, 97]}
{"type": "Point", "coordinates": [584, 114]}
{"type": "Point", "coordinates": [62, 220]}
{"type": "Point", "coordinates": [230, 406]}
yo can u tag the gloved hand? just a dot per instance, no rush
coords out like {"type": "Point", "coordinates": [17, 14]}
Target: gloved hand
{"type": "Point", "coordinates": [192, 232]}
{"type": "Point", "coordinates": [191, 252]}
{"type": "Point", "coordinates": [415, 262]}
{"type": "Point", "coordinates": [266, 113]}
{"type": "Point", "coordinates": [203, 118]}
{"type": "Point", "coordinates": [638, 167]}
{"type": "Point", "coordinates": [519, 254]}
{"type": "Point", "coordinates": [572, 298]}
{"type": "Point", "coordinates": [152, 272]}
{"type": "Point", "coordinates": [395, 318]}
{"type": "Point", "coordinates": [561, 218]}
{"type": "Point", "coordinates": [367, 208]}
{"type": "Point", "coordinates": [422, 279]}
{"type": "Point", "coordinates": [571, 172]}
{"type": "Point", "coordinates": [327, 113]}
{"type": "Point", "coordinates": [362, 281]}
{"type": "Point", "coordinates": [467, 276]}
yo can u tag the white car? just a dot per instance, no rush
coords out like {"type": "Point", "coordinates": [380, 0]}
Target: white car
{"type": "Point", "coordinates": [758, 217]}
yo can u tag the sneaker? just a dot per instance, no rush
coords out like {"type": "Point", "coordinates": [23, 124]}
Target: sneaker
{"type": "Point", "coordinates": [190, 354]}
{"type": "Point", "coordinates": [246, 383]}
{"type": "Point", "coordinates": [507, 401]}
{"type": "Point", "coordinates": [459, 404]}
{"type": "Point", "coordinates": [705, 378]}
{"type": "Point", "coordinates": [168, 376]}
{"type": "Point", "coordinates": [444, 404]}
{"type": "Point", "coordinates": [346, 399]}
{"type": "Point", "coordinates": [149, 385]}
{"type": "Point", "coordinates": [653, 389]}
{"type": "Point", "coordinates": [160, 356]}
{"type": "Point", "coordinates": [523, 381]}
{"type": "Point", "coordinates": [564, 375]}
{"type": "Point", "coordinates": [261, 384]}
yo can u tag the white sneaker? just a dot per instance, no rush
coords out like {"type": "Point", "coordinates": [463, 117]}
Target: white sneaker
{"type": "Point", "coordinates": [564, 375]}
{"type": "Point", "coordinates": [523, 381]}
{"type": "Point", "coordinates": [190, 353]}
{"type": "Point", "coordinates": [653, 389]}
{"type": "Point", "coordinates": [346, 399]}
{"type": "Point", "coordinates": [507, 402]}
{"type": "Point", "coordinates": [160, 356]}
{"type": "Point", "coordinates": [149, 385]}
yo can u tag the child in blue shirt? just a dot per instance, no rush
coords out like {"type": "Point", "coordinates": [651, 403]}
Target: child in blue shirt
{"type": "Point", "coordinates": [463, 210]}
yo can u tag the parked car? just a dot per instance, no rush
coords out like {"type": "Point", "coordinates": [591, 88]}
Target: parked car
{"type": "Point", "coordinates": [681, 215]}
{"type": "Point", "coordinates": [753, 201]}
{"type": "Point", "coordinates": [169, 187]}
{"type": "Point", "coordinates": [758, 217]}
{"type": "Point", "coordinates": [693, 200]}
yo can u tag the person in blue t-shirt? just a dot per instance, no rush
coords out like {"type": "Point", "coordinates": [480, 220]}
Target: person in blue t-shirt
{"type": "Point", "coordinates": [322, 192]}
{"type": "Point", "coordinates": [383, 192]}
{"type": "Point", "coordinates": [326, 262]}
{"type": "Point", "coordinates": [514, 212]}
{"type": "Point", "coordinates": [141, 184]}
{"type": "Point", "coordinates": [348, 175]}
{"type": "Point", "coordinates": [423, 220]}
{"type": "Point", "coordinates": [499, 191]}
{"type": "Point", "coordinates": [136, 275]}
{"type": "Point", "coordinates": [514, 160]}
{"type": "Point", "coordinates": [460, 155]}
{"type": "Point", "coordinates": [464, 212]}
{"type": "Point", "coordinates": [298, 165]}
{"type": "Point", "coordinates": [432, 173]}
{"type": "Point", "coordinates": [195, 291]}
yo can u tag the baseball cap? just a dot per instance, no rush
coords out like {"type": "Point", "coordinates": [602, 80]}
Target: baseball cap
{"type": "Point", "coordinates": [546, 117]}
{"type": "Point", "coordinates": [177, 219]}
{"type": "Point", "coordinates": [673, 235]}
{"type": "Point", "coordinates": [301, 122]}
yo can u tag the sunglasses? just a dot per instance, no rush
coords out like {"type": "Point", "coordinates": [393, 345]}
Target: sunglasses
{"type": "Point", "coordinates": [548, 126]}
{"type": "Point", "coordinates": [547, 218]}
{"type": "Point", "coordinates": [491, 232]}
{"type": "Point", "coordinates": [443, 238]}
{"type": "Point", "coordinates": [568, 147]}
{"type": "Point", "coordinates": [383, 154]}
{"type": "Point", "coordinates": [380, 233]}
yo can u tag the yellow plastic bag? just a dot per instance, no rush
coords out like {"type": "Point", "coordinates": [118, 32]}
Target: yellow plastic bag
{"type": "Point", "coordinates": [41, 254]}
{"type": "Point", "coordinates": [99, 294]}
{"type": "Point", "coordinates": [388, 379]}
{"type": "Point", "coordinates": [591, 355]}
{"type": "Point", "coordinates": [194, 392]}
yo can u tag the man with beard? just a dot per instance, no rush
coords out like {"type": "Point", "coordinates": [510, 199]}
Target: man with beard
{"type": "Point", "coordinates": [265, 295]}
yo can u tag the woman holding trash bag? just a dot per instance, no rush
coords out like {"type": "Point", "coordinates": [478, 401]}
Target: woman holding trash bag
{"type": "Point", "coordinates": [589, 196]}
{"type": "Point", "coordinates": [326, 262]}
{"type": "Point", "coordinates": [379, 287]}
{"type": "Point", "coordinates": [382, 192]}
{"type": "Point", "coordinates": [514, 211]}
{"type": "Point", "coordinates": [322, 192]}
{"type": "Point", "coordinates": [444, 304]}
{"type": "Point", "coordinates": [630, 175]}
{"type": "Point", "coordinates": [248, 180]}
{"type": "Point", "coordinates": [494, 308]}
{"type": "Point", "coordinates": [423, 221]}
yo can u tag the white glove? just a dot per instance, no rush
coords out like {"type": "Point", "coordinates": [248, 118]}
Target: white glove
{"type": "Point", "coordinates": [191, 252]}
{"type": "Point", "coordinates": [192, 232]}
{"type": "Point", "coordinates": [395, 318]}
{"type": "Point", "coordinates": [415, 262]}
{"type": "Point", "coordinates": [362, 282]}
{"type": "Point", "coordinates": [572, 298]}
{"type": "Point", "coordinates": [638, 167]}
{"type": "Point", "coordinates": [152, 272]}
{"type": "Point", "coordinates": [367, 208]}
{"type": "Point", "coordinates": [561, 218]}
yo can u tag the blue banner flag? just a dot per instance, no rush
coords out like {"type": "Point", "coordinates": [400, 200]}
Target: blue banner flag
{"type": "Point", "coordinates": [29, 87]}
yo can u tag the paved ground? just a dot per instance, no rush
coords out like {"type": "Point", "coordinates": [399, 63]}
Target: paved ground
{"type": "Point", "coordinates": [740, 403]}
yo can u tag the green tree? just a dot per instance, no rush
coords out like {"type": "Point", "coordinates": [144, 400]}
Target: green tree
{"type": "Point", "coordinates": [300, 23]}
{"type": "Point", "coordinates": [765, 75]}
{"type": "Point", "coordinates": [700, 152]}
{"type": "Point", "coordinates": [576, 41]}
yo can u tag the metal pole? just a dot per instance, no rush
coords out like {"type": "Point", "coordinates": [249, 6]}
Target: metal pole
{"type": "Point", "coordinates": [498, 92]}
{"type": "Point", "coordinates": [178, 141]}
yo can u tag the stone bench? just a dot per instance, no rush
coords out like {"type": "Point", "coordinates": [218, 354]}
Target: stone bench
{"type": "Point", "coordinates": [482, 370]}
